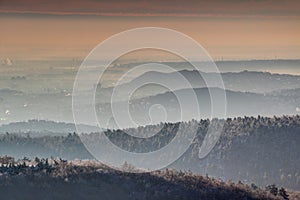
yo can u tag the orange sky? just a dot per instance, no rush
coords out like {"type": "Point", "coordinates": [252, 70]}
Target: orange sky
{"type": "Point", "coordinates": [155, 7]}
{"type": "Point", "coordinates": [237, 29]}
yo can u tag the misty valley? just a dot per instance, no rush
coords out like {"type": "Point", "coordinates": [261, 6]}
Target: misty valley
{"type": "Point", "coordinates": [149, 100]}
{"type": "Point", "coordinates": [256, 156]}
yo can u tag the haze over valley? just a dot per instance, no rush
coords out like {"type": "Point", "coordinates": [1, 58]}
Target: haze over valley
{"type": "Point", "coordinates": [150, 100]}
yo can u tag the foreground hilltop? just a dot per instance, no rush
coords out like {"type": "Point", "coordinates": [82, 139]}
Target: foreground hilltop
{"type": "Point", "coordinates": [78, 179]}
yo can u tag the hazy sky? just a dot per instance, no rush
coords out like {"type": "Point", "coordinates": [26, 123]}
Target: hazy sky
{"type": "Point", "coordinates": [156, 7]}
{"type": "Point", "coordinates": [231, 29]}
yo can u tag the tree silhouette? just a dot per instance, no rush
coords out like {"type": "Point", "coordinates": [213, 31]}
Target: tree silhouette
{"type": "Point", "coordinates": [283, 193]}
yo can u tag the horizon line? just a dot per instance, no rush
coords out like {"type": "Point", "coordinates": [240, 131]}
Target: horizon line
{"type": "Point", "coordinates": [139, 14]}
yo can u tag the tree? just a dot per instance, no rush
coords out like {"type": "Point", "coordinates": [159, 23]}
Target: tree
{"type": "Point", "coordinates": [272, 189]}
{"type": "Point", "coordinates": [283, 193]}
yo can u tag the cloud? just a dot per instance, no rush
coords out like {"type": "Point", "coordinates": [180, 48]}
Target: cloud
{"type": "Point", "coordinates": [154, 7]}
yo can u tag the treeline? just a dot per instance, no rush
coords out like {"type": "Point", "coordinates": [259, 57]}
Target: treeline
{"type": "Point", "coordinates": [67, 147]}
{"type": "Point", "coordinates": [263, 150]}
{"type": "Point", "coordinates": [61, 179]}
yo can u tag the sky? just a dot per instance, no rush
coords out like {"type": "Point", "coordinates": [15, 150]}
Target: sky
{"type": "Point", "coordinates": [230, 30]}
{"type": "Point", "coordinates": [155, 7]}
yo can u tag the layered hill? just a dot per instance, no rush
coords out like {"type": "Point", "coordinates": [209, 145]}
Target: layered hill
{"type": "Point", "coordinates": [60, 179]}
{"type": "Point", "coordinates": [236, 103]}
{"type": "Point", "coordinates": [258, 150]}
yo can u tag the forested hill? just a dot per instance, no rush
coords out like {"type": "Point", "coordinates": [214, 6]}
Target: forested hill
{"type": "Point", "coordinates": [43, 127]}
{"type": "Point", "coordinates": [250, 149]}
{"type": "Point", "coordinates": [61, 179]}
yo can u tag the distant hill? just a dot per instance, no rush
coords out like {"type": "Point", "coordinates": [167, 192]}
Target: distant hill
{"type": "Point", "coordinates": [268, 91]}
{"type": "Point", "coordinates": [287, 92]}
{"type": "Point", "coordinates": [237, 104]}
{"type": "Point", "coordinates": [43, 127]}
{"type": "Point", "coordinates": [245, 81]}
{"type": "Point", "coordinates": [18, 106]}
